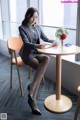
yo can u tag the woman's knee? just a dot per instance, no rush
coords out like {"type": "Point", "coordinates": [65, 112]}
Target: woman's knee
{"type": "Point", "coordinates": [46, 58]}
{"type": "Point", "coordinates": [43, 58]}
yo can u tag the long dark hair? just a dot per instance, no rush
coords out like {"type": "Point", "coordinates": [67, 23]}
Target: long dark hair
{"type": "Point", "coordinates": [28, 15]}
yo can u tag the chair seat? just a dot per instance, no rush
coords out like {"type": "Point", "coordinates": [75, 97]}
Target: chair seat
{"type": "Point", "coordinates": [19, 61]}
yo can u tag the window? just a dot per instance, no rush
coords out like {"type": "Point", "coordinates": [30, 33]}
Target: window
{"type": "Point", "coordinates": [58, 14]}
{"type": "Point", "coordinates": [12, 13]}
{"type": "Point", "coordinates": [12, 16]}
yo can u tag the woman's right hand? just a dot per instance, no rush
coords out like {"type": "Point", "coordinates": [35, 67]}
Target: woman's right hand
{"type": "Point", "coordinates": [55, 44]}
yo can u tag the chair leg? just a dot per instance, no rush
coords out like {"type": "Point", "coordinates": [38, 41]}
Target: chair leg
{"type": "Point", "coordinates": [18, 75]}
{"type": "Point", "coordinates": [11, 73]}
{"type": "Point", "coordinates": [11, 77]}
{"type": "Point", "coordinates": [77, 109]}
{"type": "Point", "coordinates": [20, 82]}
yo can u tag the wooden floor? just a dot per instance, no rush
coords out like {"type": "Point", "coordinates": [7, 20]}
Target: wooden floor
{"type": "Point", "coordinates": [17, 107]}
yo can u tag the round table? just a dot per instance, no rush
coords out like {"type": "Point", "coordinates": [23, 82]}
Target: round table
{"type": "Point", "coordinates": [57, 102]}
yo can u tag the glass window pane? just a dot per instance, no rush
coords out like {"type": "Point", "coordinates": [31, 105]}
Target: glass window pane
{"type": "Point", "coordinates": [17, 10]}
{"type": "Point", "coordinates": [58, 14]}
{"type": "Point", "coordinates": [6, 30]}
{"type": "Point", "coordinates": [5, 10]}
{"type": "Point", "coordinates": [14, 29]}
{"type": "Point", "coordinates": [52, 12]}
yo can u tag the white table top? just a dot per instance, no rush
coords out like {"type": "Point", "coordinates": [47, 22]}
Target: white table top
{"type": "Point", "coordinates": [61, 50]}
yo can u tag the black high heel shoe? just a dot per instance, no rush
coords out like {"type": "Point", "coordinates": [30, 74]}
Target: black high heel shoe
{"type": "Point", "coordinates": [31, 103]}
{"type": "Point", "coordinates": [28, 88]}
{"type": "Point", "coordinates": [29, 95]}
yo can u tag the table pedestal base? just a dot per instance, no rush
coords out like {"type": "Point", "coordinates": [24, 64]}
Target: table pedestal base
{"type": "Point", "coordinates": [59, 106]}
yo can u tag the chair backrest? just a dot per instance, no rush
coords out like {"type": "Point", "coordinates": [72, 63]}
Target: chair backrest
{"type": "Point", "coordinates": [15, 43]}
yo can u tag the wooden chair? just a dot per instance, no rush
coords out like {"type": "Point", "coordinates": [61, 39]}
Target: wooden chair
{"type": "Point", "coordinates": [77, 105]}
{"type": "Point", "coordinates": [14, 45]}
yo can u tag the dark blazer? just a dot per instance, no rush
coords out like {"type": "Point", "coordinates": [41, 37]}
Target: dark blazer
{"type": "Point", "coordinates": [28, 48]}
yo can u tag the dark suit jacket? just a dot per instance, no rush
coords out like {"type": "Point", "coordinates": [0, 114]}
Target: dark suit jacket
{"type": "Point", "coordinates": [28, 49]}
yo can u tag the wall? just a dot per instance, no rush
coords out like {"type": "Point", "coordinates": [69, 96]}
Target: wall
{"type": "Point", "coordinates": [70, 74]}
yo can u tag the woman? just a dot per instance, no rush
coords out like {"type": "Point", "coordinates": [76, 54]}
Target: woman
{"type": "Point", "coordinates": [31, 34]}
